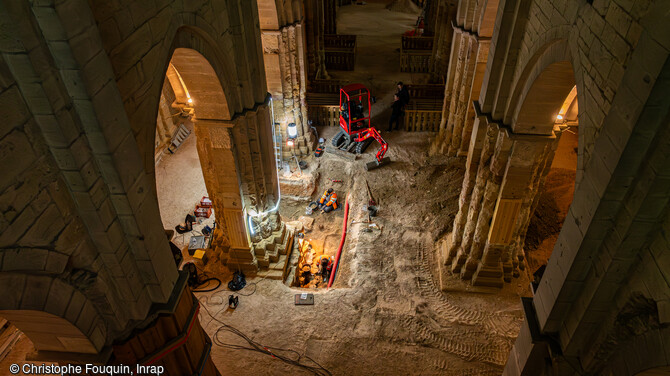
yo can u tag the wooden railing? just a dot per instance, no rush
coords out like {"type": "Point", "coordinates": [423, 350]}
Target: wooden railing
{"type": "Point", "coordinates": [325, 86]}
{"type": "Point", "coordinates": [417, 43]}
{"type": "Point", "coordinates": [426, 91]}
{"type": "Point", "coordinates": [424, 111]}
{"type": "Point", "coordinates": [339, 41]}
{"type": "Point", "coordinates": [340, 51]}
{"type": "Point", "coordinates": [323, 102]}
{"type": "Point", "coordinates": [415, 53]}
{"type": "Point", "coordinates": [324, 115]}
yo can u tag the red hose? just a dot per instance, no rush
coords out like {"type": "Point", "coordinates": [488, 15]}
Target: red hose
{"type": "Point", "coordinates": [344, 237]}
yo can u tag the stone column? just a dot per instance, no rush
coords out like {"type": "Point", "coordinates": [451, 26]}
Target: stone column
{"type": "Point", "coordinates": [513, 256]}
{"type": "Point", "coordinates": [216, 150]}
{"type": "Point", "coordinates": [285, 72]}
{"type": "Point", "coordinates": [441, 143]}
{"type": "Point", "coordinates": [316, 54]}
{"type": "Point", "coordinates": [483, 45]}
{"type": "Point", "coordinates": [467, 65]}
{"type": "Point", "coordinates": [479, 221]}
{"type": "Point", "coordinates": [443, 13]}
{"type": "Point", "coordinates": [529, 161]}
{"type": "Point", "coordinates": [461, 98]}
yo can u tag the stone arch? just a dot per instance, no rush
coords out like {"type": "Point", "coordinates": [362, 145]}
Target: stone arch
{"type": "Point", "coordinates": [52, 313]}
{"type": "Point", "coordinates": [191, 45]}
{"type": "Point", "coordinates": [541, 90]}
{"type": "Point", "coordinates": [201, 84]}
{"type": "Point", "coordinates": [233, 133]}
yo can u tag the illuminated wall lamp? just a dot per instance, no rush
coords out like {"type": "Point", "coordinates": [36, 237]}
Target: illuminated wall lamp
{"type": "Point", "coordinates": [292, 131]}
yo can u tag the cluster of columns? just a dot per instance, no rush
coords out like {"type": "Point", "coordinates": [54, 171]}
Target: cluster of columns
{"type": "Point", "coordinates": [315, 18]}
{"type": "Point", "coordinates": [504, 173]}
{"type": "Point", "coordinates": [440, 16]}
{"type": "Point", "coordinates": [472, 31]}
{"type": "Point", "coordinates": [284, 54]}
{"type": "Point", "coordinates": [243, 145]}
{"type": "Point", "coordinates": [165, 120]}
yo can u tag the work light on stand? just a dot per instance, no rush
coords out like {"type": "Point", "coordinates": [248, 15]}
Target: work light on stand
{"type": "Point", "coordinates": [292, 131]}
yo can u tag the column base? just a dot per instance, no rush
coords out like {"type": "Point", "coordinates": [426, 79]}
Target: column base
{"type": "Point", "coordinates": [458, 261]}
{"type": "Point", "coordinates": [491, 276]}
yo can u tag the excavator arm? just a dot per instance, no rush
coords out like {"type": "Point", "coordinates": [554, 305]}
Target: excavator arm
{"type": "Point", "coordinates": [372, 132]}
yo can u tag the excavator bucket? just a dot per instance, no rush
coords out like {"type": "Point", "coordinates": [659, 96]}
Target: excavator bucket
{"type": "Point", "coordinates": [374, 164]}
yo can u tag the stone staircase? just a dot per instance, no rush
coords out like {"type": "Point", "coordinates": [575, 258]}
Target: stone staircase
{"type": "Point", "coordinates": [273, 252]}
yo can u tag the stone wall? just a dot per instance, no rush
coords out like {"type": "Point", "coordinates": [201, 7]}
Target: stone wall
{"type": "Point", "coordinates": [615, 52]}
{"type": "Point", "coordinates": [81, 236]}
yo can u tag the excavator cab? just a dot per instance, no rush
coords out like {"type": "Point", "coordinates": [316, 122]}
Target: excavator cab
{"type": "Point", "coordinates": [355, 105]}
{"type": "Point", "coordinates": [357, 132]}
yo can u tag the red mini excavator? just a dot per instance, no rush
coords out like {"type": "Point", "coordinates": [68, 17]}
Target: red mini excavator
{"type": "Point", "coordinates": [357, 131]}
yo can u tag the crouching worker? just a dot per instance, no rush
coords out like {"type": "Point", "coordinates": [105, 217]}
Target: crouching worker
{"type": "Point", "coordinates": [328, 201]}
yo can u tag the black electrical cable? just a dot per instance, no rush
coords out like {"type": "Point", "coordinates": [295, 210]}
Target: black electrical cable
{"type": "Point", "coordinates": [275, 352]}
{"type": "Point", "coordinates": [210, 289]}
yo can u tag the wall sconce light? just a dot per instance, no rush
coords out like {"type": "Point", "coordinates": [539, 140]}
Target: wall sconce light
{"type": "Point", "coordinates": [559, 117]}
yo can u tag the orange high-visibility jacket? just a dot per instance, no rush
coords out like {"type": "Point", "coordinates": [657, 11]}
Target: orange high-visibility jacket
{"type": "Point", "coordinates": [324, 197]}
{"type": "Point", "coordinates": [333, 200]}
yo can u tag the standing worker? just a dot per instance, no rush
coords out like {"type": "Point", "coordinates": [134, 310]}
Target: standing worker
{"type": "Point", "coordinates": [396, 113]}
{"type": "Point", "coordinates": [403, 94]}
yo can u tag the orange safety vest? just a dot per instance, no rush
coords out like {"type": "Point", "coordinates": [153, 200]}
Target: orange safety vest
{"type": "Point", "coordinates": [332, 201]}
{"type": "Point", "coordinates": [324, 197]}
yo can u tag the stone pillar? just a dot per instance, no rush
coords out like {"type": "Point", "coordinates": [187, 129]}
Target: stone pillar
{"type": "Point", "coordinates": [316, 54]}
{"type": "Point", "coordinates": [461, 97]}
{"type": "Point", "coordinates": [467, 66]}
{"type": "Point", "coordinates": [284, 55]}
{"type": "Point", "coordinates": [479, 217]}
{"type": "Point", "coordinates": [330, 17]}
{"type": "Point", "coordinates": [238, 162]}
{"type": "Point", "coordinates": [441, 13]}
{"type": "Point", "coordinates": [441, 143]}
{"type": "Point", "coordinates": [504, 173]}
{"type": "Point", "coordinates": [479, 68]}
{"type": "Point", "coordinates": [217, 153]}
{"type": "Point", "coordinates": [473, 185]}
{"type": "Point", "coordinates": [527, 165]}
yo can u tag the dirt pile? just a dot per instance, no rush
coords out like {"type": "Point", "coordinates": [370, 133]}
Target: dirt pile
{"type": "Point", "coordinates": [549, 215]}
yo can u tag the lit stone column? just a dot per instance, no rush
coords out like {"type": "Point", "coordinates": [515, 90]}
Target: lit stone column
{"type": "Point", "coordinates": [461, 99]}
{"type": "Point", "coordinates": [529, 161]}
{"type": "Point", "coordinates": [284, 55]}
{"type": "Point", "coordinates": [514, 255]}
{"type": "Point", "coordinates": [457, 65]}
{"type": "Point", "coordinates": [479, 221]}
{"type": "Point", "coordinates": [477, 170]}
{"type": "Point", "coordinates": [292, 62]}
{"type": "Point", "coordinates": [444, 13]}
{"type": "Point", "coordinates": [216, 150]}
{"type": "Point", "coordinates": [483, 45]}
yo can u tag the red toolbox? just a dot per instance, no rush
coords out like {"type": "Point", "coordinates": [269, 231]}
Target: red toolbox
{"type": "Point", "coordinates": [203, 211]}
{"type": "Point", "coordinates": [205, 202]}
